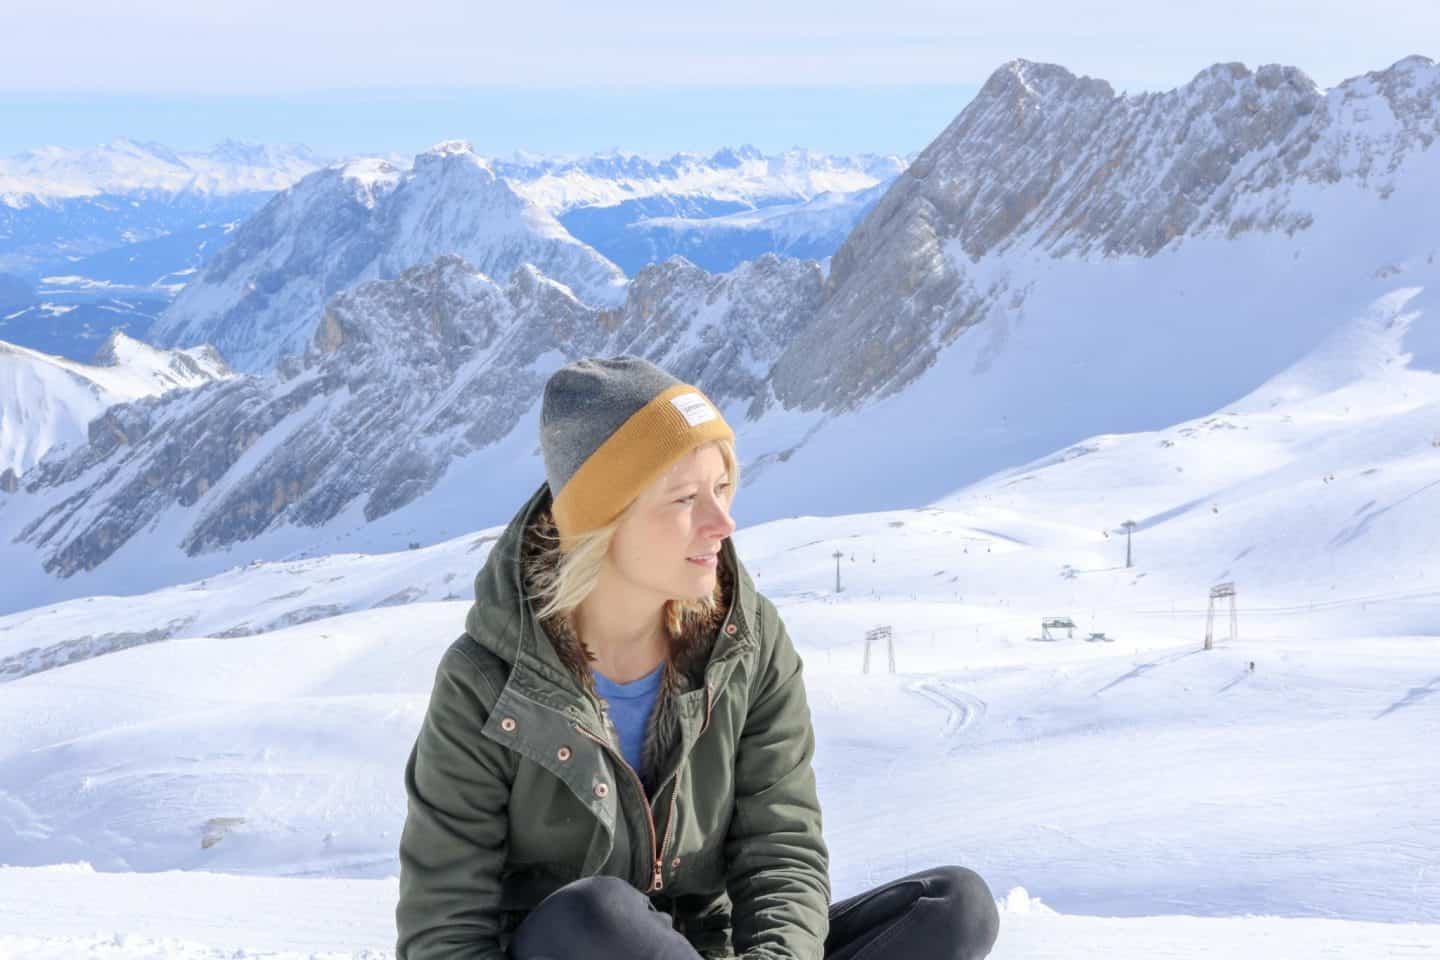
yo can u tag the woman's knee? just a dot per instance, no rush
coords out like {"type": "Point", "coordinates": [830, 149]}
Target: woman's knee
{"type": "Point", "coordinates": [973, 907]}
{"type": "Point", "coordinates": [586, 909]}
{"type": "Point", "coordinates": [593, 902]}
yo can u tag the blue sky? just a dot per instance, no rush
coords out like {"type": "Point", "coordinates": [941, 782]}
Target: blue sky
{"type": "Point", "coordinates": [651, 77]}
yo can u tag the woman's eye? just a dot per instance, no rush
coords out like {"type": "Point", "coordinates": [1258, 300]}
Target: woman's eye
{"type": "Point", "coordinates": [693, 495]}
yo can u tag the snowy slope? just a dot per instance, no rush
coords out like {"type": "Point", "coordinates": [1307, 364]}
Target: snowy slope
{"type": "Point", "coordinates": [47, 401]}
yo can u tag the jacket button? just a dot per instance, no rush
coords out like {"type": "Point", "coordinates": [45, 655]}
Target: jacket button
{"type": "Point", "coordinates": [508, 724]}
{"type": "Point", "coordinates": [563, 753]}
{"type": "Point", "coordinates": [675, 862]}
{"type": "Point", "coordinates": [601, 789]}
{"type": "Point", "coordinates": [730, 628]}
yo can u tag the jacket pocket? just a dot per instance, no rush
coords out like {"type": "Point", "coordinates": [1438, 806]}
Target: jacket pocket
{"type": "Point", "coordinates": [705, 922]}
{"type": "Point", "coordinates": [701, 872]}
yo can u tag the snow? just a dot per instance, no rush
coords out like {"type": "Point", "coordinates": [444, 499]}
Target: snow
{"type": "Point", "coordinates": [77, 913]}
{"type": "Point", "coordinates": [72, 280]}
{"type": "Point", "coordinates": [374, 176]}
{"type": "Point", "coordinates": [48, 401]}
{"type": "Point", "coordinates": [795, 176]}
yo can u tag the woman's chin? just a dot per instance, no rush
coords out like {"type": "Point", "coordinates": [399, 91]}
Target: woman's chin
{"type": "Point", "coordinates": [698, 585]}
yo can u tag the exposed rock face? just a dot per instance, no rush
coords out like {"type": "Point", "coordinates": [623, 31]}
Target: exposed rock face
{"type": "Point", "coordinates": [401, 378]}
{"type": "Point", "coordinates": [73, 650]}
{"type": "Point", "coordinates": [1048, 161]}
{"type": "Point", "coordinates": [721, 332]}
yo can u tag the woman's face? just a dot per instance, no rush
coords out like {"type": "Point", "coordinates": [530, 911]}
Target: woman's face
{"type": "Point", "coordinates": [683, 515]}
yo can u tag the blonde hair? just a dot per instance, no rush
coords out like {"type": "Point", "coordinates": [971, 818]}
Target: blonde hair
{"type": "Point", "coordinates": [561, 577]}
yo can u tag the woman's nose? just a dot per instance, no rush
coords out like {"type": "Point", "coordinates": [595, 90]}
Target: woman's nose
{"type": "Point", "coordinates": [719, 521]}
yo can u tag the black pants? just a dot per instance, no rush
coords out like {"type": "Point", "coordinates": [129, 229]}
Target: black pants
{"type": "Point", "coordinates": [944, 913]}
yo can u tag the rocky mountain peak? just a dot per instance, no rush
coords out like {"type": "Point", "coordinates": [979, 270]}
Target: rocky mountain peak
{"type": "Point", "coordinates": [113, 349]}
{"type": "Point", "coordinates": [448, 153]}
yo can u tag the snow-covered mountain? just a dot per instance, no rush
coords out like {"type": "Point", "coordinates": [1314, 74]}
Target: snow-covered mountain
{"type": "Point", "coordinates": [1191, 244]}
{"type": "Point", "coordinates": [715, 211]}
{"type": "Point", "coordinates": [104, 237]}
{"type": "Point", "coordinates": [110, 235]}
{"type": "Point", "coordinates": [1046, 169]}
{"type": "Point", "coordinates": [123, 166]}
{"type": "Point", "coordinates": [261, 297]}
{"type": "Point", "coordinates": [1061, 263]}
{"type": "Point", "coordinates": [435, 375]}
{"type": "Point", "coordinates": [742, 178]}
{"type": "Point", "coordinates": [48, 402]}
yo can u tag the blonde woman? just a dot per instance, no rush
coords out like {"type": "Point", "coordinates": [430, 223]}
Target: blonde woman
{"type": "Point", "coordinates": [616, 757]}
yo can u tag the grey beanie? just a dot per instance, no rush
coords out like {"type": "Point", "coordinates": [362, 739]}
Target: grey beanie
{"type": "Point", "coordinates": [608, 427]}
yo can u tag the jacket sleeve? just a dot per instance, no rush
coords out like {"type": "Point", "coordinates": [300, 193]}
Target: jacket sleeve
{"type": "Point", "coordinates": [778, 873]}
{"type": "Point", "coordinates": [454, 841]}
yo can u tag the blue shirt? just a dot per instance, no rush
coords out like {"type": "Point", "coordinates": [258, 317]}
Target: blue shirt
{"type": "Point", "coordinates": [630, 706]}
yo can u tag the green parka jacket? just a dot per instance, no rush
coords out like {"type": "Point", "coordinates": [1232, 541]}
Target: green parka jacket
{"type": "Point", "coordinates": [516, 784]}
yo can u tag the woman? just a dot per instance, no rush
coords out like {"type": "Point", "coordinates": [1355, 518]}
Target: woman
{"type": "Point", "coordinates": [616, 757]}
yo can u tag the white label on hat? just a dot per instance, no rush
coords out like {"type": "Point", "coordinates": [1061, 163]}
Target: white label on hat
{"type": "Point", "coordinates": [695, 408]}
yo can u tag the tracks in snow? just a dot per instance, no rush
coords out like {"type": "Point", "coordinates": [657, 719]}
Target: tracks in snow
{"type": "Point", "coordinates": [962, 709]}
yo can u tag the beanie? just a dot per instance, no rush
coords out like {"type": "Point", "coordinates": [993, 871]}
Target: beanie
{"type": "Point", "coordinates": [609, 427]}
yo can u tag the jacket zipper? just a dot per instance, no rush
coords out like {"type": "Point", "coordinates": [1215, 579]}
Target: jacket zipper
{"type": "Point", "coordinates": [655, 881]}
{"type": "Point", "coordinates": [675, 791]}
{"type": "Point", "coordinates": [657, 854]}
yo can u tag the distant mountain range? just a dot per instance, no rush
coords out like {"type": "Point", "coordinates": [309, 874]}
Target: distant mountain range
{"type": "Point", "coordinates": [105, 238]}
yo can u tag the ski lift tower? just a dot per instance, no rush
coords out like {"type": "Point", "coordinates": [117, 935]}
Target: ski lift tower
{"type": "Point", "coordinates": [1219, 592]}
{"type": "Point", "coordinates": [873, 636]}
{"type": "Point", "coordinates": [1057, 623]}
